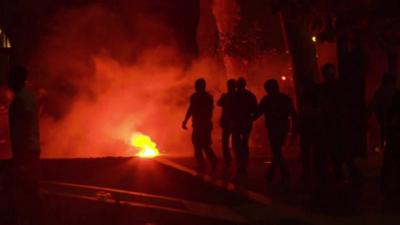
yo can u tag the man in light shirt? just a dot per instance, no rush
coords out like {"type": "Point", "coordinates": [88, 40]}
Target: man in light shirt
{"type": "Point", "coordinates": [25, 148]}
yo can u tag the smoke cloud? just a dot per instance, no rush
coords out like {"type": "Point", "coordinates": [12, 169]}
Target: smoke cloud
{"type": "Point", "coordinates": [107, 78]}
{"type": "Point", "coordinates": [110, 73]}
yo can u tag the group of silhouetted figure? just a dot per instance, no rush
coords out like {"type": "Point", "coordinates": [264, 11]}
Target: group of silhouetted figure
{"type": "Point", "coordinates": [239, 110]}
{"type": "Point", "coordinates": [322, 125]}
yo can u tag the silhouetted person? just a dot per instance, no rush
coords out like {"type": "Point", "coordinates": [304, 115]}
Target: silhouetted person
{"type": "Point", "coordinates": [391, 162]}
{"type": "Point", "coordinates": [381, 103]}
{"type": "Point", "coordinates": [351, 71]}
{"type": "Point", "coordinates": [333, 118]}
{"type": "Point", "coordinates": [227, 101]}
{"type": "Point", "coordinates": [312, 155]}
{"type": "Point", "coordinates": [25, 147]}
{"type": "Point", "coordinates": [245, 109]}
{"type": "Point", "coordinates": [201, 111]}
{"type": "Point", "coordinates": [277, 109]}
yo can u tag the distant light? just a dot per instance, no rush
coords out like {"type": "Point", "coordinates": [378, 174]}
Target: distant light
{"type": "Point", "coordinates": [8, 44]}
{"type": "Point", "coordinates": [283, 77]}
{"type": "Point", "coordinates": [4, 41]}
{"type": "Point", "coordinates": [314, 39]}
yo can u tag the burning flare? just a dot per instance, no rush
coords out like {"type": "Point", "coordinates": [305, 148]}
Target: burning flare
{"type": "Point", "coordinates": [147, 148]}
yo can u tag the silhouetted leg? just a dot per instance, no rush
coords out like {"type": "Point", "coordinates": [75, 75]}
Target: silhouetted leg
{"type": "Point", "coordinates": [211, 157]}
{"type": "Point", "coordinates": [198, 154]}
{"type": "Point", "coordinates": [206, 143]}
{"type": "Point", "coordinates": [382, 136]}
{"type": "Point", "coordinates": [199, 158]}
{"type": "Point", "coordinates": [387, 168]}
{"type": "Point", "coordinates": [210, 154]}
{"type": "Point", "coordinates": [337, 152]}
{"type": "Point", "coordinates": [11, 187]}
{"type": "Point", "coordinates": [354, 173]}
{"type": "Point", "coordinates": [285, 175]}
{"type": "Point", "coordinates": [269, 174]}
{"type": "Point", "coordinates": [281, 164]}
{"type": "Point", "coordinates": [320, 163]}
{"type": "Point", "coordinates": [236, 140]}
{"type": "Point", "coordinates": [395, 146]}
{"type": "Point", "coordinates": [275, 160]}
{"type": "Point", "coordinates": [226, 134]}
{"type": "Point", "coordinates": [305, 156]}
{"type": "Point", "coordinates": [284, 170]}
{"type": "Point", "coordinates": [396, 169]}
{"type": "Point", "coordinates": [319, 169]}
{"type": "Point", "coordinates": [241, 160]}
{"type": "Point", "coordinates": [277, 140]}
{"type": "Point", "coordinates": [34, 203]}
{"type": "Point", "coordinates": [26, 195]}
{"type": "Point", "coordinates": [281, 161]}
{"type": "Point", "coordinates": [245, 147]}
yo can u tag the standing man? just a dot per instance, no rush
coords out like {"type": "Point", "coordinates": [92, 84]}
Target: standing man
{"type": "Point", "coordinates": [277, 108]}
{"type": "Point", "coordinates": [334, 125]}
{"type": "Point", "coordinates": [227, 101]}
{"type": "Point", "coordinates": [332, 117]}
{"type": "Point", "coordinates": [382, 102]}
{"type": "Point", "coordinates": [25, 147]}
{"type": "Point", "coordinates": [309, 126]}
{"type": "Point", "coordinates": [201, 111]}
{"type": "Point", "coordinates": [244, 111]}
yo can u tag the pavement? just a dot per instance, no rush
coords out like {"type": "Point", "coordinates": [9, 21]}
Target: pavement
{"type": "Point", "coordinates": [168, 190]}
{"type": "Point", "coordinates": [339, 203]}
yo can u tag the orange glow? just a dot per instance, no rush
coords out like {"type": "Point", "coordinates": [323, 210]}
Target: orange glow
{"type": "Point", "coordinates": [147, 148]}
{"type": "Point", "coordinates": [283, 77]}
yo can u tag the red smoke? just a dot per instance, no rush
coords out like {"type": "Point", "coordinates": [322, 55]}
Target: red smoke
{"type": "Point", "coordinates": [110, 74]}
{"type": "Point", "coordinates": [108, 81]}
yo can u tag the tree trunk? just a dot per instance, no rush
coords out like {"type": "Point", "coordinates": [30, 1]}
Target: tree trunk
{"type": "Point", "coordinates": [303, 52]}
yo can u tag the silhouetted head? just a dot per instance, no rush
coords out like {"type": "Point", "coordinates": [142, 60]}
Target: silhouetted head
{"type": "Point", "coordinates": [231, 85]}
{"type": "Point", "coordinates": [388, 79]}
{"type": "Point", "coordinates": [241, 84]}
{"type": "Point", "coordinates": [271, 86]}
{"type": "Point", "coordinates": [200, 85]}
{"type": "Point", "coordinates": [328, 72]}
{"type": "Point", "coordinates": [17, 78]}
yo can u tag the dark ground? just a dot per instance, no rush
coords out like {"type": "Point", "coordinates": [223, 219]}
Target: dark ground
{"type": "Point", "coordinates": [141, 191]}
{"type": "Point", "coordinates": [184, 198]}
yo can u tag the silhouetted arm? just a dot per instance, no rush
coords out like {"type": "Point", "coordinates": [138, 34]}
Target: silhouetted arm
{"type": "Point", "coordinates": [211, 106]}
{"type": "Point", "coordinates": [188, 115]}
{"type": "Point", "coordinates": [221, 100]}
{"type": "Point", "coordinates": [260, 109]}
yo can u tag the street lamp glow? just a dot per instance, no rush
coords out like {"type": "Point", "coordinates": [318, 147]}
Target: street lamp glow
{"type": "Point", "coordinates": [314, 38]}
